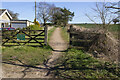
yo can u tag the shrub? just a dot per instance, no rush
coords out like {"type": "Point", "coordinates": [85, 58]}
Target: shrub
{"type": "Point", "coordinates": [36, 22]}
{"type": "Point", "coordinates": [35, 27]}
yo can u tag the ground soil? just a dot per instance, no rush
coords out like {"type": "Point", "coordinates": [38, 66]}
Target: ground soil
{"type": "Point", "coordinates": [41, 71]}
{"type": "Point", "coordinates": [58, 45]}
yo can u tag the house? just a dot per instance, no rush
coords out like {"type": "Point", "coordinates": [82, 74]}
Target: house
{"type": "Point", "coordinates": [5, 18]}
{"type": "Point", "coordinates": [21, 23]}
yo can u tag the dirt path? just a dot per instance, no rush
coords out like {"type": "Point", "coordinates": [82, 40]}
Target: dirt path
{"type": "Point", "coordinates": [58, 45]}
{"type": "Point", "coordinates": [41, 71]}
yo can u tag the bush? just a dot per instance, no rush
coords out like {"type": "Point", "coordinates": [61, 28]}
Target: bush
{"type": "Point", "coordinates": [36, 22]}
{"type": "Point", "coordinates": [35, 27]}
{"type": "Point", "coordinates": [18, 28]}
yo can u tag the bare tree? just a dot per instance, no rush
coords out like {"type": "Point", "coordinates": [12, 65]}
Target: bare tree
{"type": "Point", "coordinates": [44, 12]}
{"type": "Point", "coordinates": [14, 15]}
{"type": "Point", "coordinates": [114, 6]}
{"type": "Point", "coordinates": [103, 14]}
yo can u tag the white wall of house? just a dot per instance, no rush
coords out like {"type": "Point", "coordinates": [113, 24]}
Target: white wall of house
{"type": "Point", "coordinates": [5, 19]}
{"type": "Point", "coordinates": [29, 23]}
{"type": "Point", "coordinates": [0, 25]}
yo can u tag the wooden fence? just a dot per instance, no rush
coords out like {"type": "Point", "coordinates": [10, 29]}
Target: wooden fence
{"type": "Point", "coordinates": [81, 40]}
{"type": "Point", "coordinates": [34, 38]}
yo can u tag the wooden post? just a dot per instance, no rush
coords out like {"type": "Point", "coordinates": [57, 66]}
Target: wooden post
{"type": "Point", "coordinates": [119, 44]}
{"type": "Point", "coordinates": [70, 34]}
{"type": "Point", "coordinates": [46, 36]}
{"type": "Point", "coordinates": [10, 25]}
{"type": "Point", "coordinates": [35, 11]}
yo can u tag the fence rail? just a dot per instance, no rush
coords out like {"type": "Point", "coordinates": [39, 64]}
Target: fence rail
{"type": "Point", "coordinates": [81, 40]}
{"type": "Point", "coordinates": [23, 37]}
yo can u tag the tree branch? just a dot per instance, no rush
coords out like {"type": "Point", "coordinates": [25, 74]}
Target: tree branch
{"type": "Point", "coordinates": [112, 7]}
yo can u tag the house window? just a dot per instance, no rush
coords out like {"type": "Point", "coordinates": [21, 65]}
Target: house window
{"type": "Point", "coordinates": [2, 25]}
{"type": "Point", "coordinates": [6, 25]}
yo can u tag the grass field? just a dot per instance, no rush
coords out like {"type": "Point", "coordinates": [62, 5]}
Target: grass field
{"type": "Point", "coordinates": [25, 54]}
{"type": "Point", "coordinates": [113, 28]}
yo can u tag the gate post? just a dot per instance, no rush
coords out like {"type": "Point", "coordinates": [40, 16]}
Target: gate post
{"type": "Point", "coordinates": [70, 34]}
{"type": "Point", "coordinates": [46, 36]}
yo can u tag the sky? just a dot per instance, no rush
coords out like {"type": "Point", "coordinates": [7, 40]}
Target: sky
{"type": "Point", "coordinates": [26, 9]}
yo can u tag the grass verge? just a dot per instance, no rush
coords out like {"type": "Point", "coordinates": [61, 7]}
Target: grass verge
{"type": "Point", "coordinates": [26, 55]}
{"type": "Point", "coordinates": [77, 65]}
{"type": "Point", "coordinates": [50, 33]}
{"type": "Point", "coordinates": [65, 34]}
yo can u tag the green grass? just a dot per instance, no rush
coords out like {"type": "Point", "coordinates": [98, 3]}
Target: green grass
{"type": "Point", "coordinates": [26, 55]}
{"type": "Point", "coordinates": [75, 64]}
{"type": "Point", "coordinates": [35, 27]}
{"type": "Point", "coordinates": [87, 25]}
{"type": "Point", "coordinates": [50, 33]}
{"type": "Point", "coordinates": [65, 34]}
{"type": "Point", "coordinates": [113, 28]}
